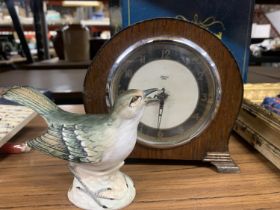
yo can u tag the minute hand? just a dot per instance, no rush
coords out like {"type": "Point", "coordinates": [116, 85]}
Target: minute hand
{"type": "Point", "coordinates": [161, 97]}
{"type": "Point", "coordinates": [160, 111]}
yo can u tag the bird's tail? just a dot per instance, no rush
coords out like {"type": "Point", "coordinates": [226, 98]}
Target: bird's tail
{"type": "Point", "coordinates": [31, 98]}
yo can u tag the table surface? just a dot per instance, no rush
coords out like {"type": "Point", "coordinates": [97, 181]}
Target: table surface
{"type": "Point", "coordinates": [33, 180]}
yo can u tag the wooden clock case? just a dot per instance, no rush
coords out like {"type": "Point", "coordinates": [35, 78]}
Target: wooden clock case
{"type": "Point", "coordinates": [212, 144]}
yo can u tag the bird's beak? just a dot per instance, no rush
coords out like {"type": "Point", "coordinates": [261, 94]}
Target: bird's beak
{"type": "Point", "coordinates": [147, 93]}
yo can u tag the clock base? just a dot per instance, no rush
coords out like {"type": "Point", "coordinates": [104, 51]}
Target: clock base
{"type": "Point", "coordinates": [222, 161]}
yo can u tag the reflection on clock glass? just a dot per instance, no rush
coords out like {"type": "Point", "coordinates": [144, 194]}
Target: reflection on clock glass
{"type": "Point", "coordinates": [190, 88]}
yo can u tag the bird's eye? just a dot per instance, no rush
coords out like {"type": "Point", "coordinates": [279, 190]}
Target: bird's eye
{"type": "Point", "coordinates": [133, 100]}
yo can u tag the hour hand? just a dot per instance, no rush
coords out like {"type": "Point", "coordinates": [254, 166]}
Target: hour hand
{"type": "Point", "coordinates": [162, 95]}
{"type": "Point", "coordinates": [155, 98]}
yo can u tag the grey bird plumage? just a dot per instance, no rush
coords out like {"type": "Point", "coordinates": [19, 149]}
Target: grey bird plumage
{"type": "Point", "coordinates": [84, 138]}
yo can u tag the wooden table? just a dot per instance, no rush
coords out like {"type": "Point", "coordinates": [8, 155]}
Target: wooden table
{"type": "Point", "coordinates": [33, 181]}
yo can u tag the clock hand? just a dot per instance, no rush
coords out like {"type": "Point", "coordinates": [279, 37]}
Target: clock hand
{"type": "Point", "coordinates": [160, 111]}
{"type": "Point", "coordinates": [161, 97]}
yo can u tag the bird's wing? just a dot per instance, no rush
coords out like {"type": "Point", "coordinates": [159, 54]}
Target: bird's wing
{"type": "Point", "coordinates": [77, 143]}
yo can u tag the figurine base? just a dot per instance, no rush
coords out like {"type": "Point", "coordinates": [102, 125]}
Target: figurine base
{"type": "Point", "coordinates": [99, 190]}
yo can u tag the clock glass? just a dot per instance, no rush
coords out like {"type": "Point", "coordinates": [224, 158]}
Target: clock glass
{"type": "Point", "coordinates": [189, 84]}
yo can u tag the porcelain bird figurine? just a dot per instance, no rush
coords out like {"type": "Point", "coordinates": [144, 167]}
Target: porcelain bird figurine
{"type": "Point", "coordinates": [102, 142]}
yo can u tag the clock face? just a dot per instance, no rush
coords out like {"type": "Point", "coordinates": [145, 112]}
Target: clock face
{"type": "Point", "coordinates": [189, 82]}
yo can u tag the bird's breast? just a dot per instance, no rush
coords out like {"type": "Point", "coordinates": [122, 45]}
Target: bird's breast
{"type": "Point", "coordinates": [124, 142]}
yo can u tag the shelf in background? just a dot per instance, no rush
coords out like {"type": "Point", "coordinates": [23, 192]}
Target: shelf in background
{"type": "Point", "coordinates": [55, 63]}
{"type": "Point", "coordinates": [65, 80]}
{"type": "Point", "coordinates": [94, 25]}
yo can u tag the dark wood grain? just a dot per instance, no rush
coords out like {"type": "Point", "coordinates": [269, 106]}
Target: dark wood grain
{"type": "Point", "coordinates": [215, 137]}
{"type": "Point", "coordinates": [32, 181]}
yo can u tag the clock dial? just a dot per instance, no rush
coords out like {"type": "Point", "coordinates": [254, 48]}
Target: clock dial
{"type": "Point", "coordinates": [190, 86]}
{"type": "Point", "coordinates": [159, 74]}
